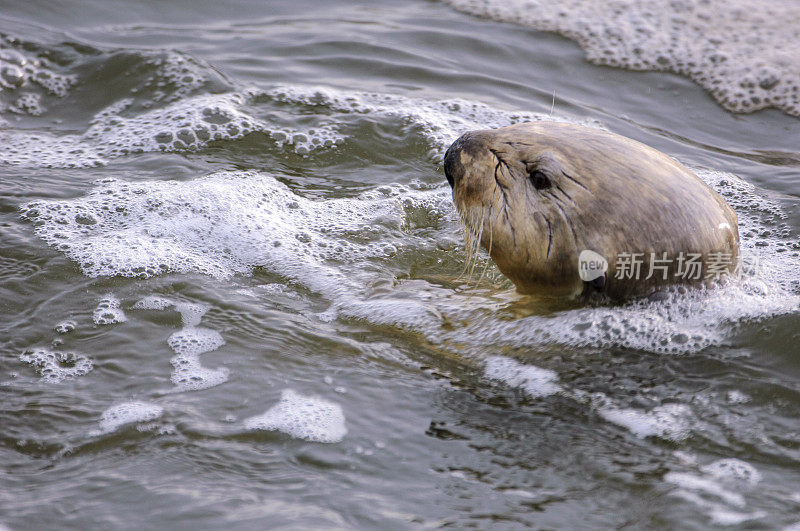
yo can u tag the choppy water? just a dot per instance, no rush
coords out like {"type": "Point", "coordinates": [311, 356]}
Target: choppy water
{"type": "Point", "coordinates": [231, 273]}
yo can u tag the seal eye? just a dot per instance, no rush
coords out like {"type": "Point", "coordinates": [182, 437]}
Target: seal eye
{"type": "Point", "coordinates": [540, 180]}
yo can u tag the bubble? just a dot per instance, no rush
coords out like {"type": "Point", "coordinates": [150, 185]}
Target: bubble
{"type": "Point", "coordinates": [152, 302]}
{"type": "Point", "coordinates": [188, 343]}
{"type": "Point", "coordinates": [55, 366]}
{"type": "Point", "coordinates": [108, 311]}
{"type": "Point", "coordinates": [439, 122]}
{"type": "Point", "coordinates": [24, 73]}
{"type": "Point", "coordinates": [65, 327]}
{"type": "Point", "coordinates": [733, 470]}
{"type": "Point", "coordinates": [302, 417]}
{"type": "Point", "coordinates": [737, 397]}
{"type": "Point", "coordinates": [206, 226]}
{"type": "Point", "coordinates": [188, 373]}
{"type": "Point", "coordinates": [192, 341]}
{"type": "Point", "coordinates": [191, 312]}
{"type": "Point", "coordinates": [11, 76]}
{"type": "Point", "coordinates": [535, 381]}
{"type": "Point", "coordinates": [127, 413]}
{"type": "Point", "coordinates": [669, 421]}
{"type": "Point", "coordinates": [179, 126]}
{"type": "Point", "coordinates": [723, 505]}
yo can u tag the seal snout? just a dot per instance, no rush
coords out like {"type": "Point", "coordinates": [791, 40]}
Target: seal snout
{"type": "Point", "coordinates": [452, 163]}
{"type": "Point", "coordinates": [469, 144]}
{"type": "Point", "coordinates": [450, 158]}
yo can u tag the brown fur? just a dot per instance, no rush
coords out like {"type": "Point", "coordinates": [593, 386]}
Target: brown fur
{"type": "Point", "coordinates": [606, 193]}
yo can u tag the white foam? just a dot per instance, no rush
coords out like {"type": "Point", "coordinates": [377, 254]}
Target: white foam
{"type": "Point", "coordinates": [745, 52]}
{"type": "Point", "coordinates": [181, 122]}
{"type": "Point", "coordinates": [191, 313]}
{"type": "Point", "coordinates": [187, 124]}
{"type": "Point", "coordinates": [669, 421]}
{"type": "Point", "coordinates": [684, 321]}
{"type": "Point", "coordinates": [223, 224]}
{"type": "Point", "coordinates": [737, 397]}
{"type": "Point", "coordinates": [65, 327]}
{"type": "Point", "coordinates": [192, 122]}
{"type": "Point", "coordinates": [176, 76]}
{"type": "Point", "coordinates": [228, 223]}
{"type": "Point", "coordinates": [302, 417]}
{"type": "Point", "coordinates": [733, 470]}
{"type": "Point", "coordinates": [723, 505]}
{"type": "Point", "coordinates": [718, 513]}
{"type": "Point", "coordinates": [719, 490]}
{"type": "Point", "coordinates": [55, 366]}
{"type": "Point", "coordinates": [440, 122]}
{"type": "Point", "coordinates": [21, 70]}
{"type": "Point", "coordinates": [194, 340]}
{"type": "Point", "coordinates": [108, 311]}
{"type": "Point", "coordinates": [28, 104]}
{"type": "Point", "coordinates": [694, 482]}
{"type": "Point", "coordinates": [128, 412]}
{"type": "Point", "coordinates": [188, 374]}
{"type": "Point", "coordinates": [534, 381]}
{"type": "Point", "coordinates": [153, 302]}
{"type": "Point", "coordinates": [727, 517]}
{"type": "Point", "coordinates": [26, 76]}
{"type": "Point", "coordinates": [189, 342]}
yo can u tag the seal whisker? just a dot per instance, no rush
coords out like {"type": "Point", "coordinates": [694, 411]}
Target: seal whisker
{"type": "Point", "coordinates": [565, 174]}
{"type": "Point", "coordinates": [477, 248]}
{"type": "Point", "coordinates": [563, 192]}
{"type": "Point", "coordinates": [503, 188]}
{"type": "Point", "coordinates": [567, 221]}
{"type": "Point", "coordinates": [558, 199]}
{"type": "Point", "coordinates": [469, 241]}
{"type": "Point", "coordinates": [515, 143]}
{"type": "Point", "coordinates": [472, 244]}
{"type": "Point", "coordinates": [500, 162]}
{"type": "Point", "coordinates": [491, 239]}
{"type": "Point", "coordinates": [549, 235]}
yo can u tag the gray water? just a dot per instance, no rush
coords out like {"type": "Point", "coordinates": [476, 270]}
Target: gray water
{"type": "Point", "coordinates": [232, 288]}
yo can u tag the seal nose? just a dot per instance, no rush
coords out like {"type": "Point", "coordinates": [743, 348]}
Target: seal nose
{"type": "Point", "coordinates": [449, 159]}
{"type": "Point", "coordinates": [470, 145]}
{"type": "Point", "coordinates": [453, 169]}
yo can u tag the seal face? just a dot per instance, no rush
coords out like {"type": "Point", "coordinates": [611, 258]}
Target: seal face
{"type": "Point", "coordinates": [539, 195]}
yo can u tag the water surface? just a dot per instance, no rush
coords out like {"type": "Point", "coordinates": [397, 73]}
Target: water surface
{"type": "Point", "coordinates": [232, 289]}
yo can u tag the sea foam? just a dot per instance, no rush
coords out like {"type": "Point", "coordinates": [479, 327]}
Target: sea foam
{"type": "Point", "coordinates": [188, 343]}
{"type": "Point", "coordinates": [55, 366]}
{"type": "Point", "coordinates": [127, 413]}
{"type": "Point", "coordinates": [746, 53]}
{"type": "Point", "coordinates": [534, 381]}
{"type": "Point", "coordinates": [191, 123]}
{"type": "Point", "coordinates": [228, 223]}
{"type": "Point", "coordinates": [302, 417]}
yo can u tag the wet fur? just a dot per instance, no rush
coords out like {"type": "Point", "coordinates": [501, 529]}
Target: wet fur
{"type": "Point", "coordinates": [597, 190]}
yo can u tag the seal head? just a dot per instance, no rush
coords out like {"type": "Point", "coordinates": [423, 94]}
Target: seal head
{"type": "Point", "coordinates": [540, 194]}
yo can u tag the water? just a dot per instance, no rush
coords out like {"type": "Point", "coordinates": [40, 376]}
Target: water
{"type": "Point", "coordinates": [232, 290]}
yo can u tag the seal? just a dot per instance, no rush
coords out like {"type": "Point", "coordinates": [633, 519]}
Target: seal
{"type": "Point", "coordinates": [569, 211]}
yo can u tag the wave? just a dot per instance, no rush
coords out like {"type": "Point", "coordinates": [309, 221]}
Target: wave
{"type": "Point", "coordinates": [746, 53]}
